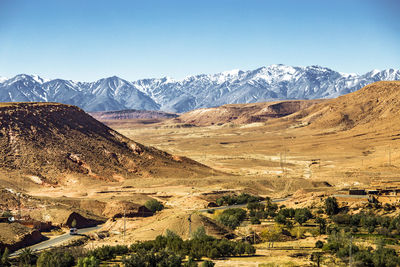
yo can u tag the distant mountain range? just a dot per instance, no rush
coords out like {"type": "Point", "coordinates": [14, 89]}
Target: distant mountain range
{"type": "Point", "coordinates": [275, 82]}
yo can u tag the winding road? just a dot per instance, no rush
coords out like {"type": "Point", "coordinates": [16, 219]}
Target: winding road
{"type": "Point", "coordinates": [59, 240]}
{"type": "Point", "coordinates": [56, 241]}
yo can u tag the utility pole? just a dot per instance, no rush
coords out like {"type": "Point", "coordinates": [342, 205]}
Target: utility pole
{"type": "Point", "coordinates": [19, 206]}
{"type": "Point", "coordinates": [190, 225]}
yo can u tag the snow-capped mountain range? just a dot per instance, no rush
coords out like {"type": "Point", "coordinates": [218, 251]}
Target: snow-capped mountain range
{"type": "Point", "coordinates": [275, 82]}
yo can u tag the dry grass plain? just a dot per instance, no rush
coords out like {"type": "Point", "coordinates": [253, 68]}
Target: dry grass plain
{"type": "Point", "coordinates": [276, 158]}
{"type": "Point", "coordinates": [275, 153]}
{"type": "Point", "coordinates": [342, 143]}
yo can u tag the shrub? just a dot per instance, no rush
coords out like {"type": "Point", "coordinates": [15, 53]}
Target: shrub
{"type": "Point", "coordinates": [319, 244]}
{"type": "Point", "coordinates": [232, 217]}
{"type": "Point", "coordinates": [255, 206]}
{"type": "Point", "coordinates": [343, 219]}
{"type": "Point", "coordinates": [271, 235]}
{"type": "Point", "coordinates": [302, 215]}
{"type": "Point", "coordinates": [213, 253]}
{"type": "Point", "coordinates": [55, 258]}
{"type": "Point", "coordinates": [5, 257]}
{"type": "Point", "coordinates": [190, 263]}
{"type": "Point", "coordinates": [27, 257]}
{"type": "Point", "coordinates": [154, 205]}
{"type": "Point", "coordinates": [243, 198]}
{"type": "Point", "coordinates": [287, 213]}
{"type": "Point", "coordinates": [207, 264]}
{"type": "Point", "coordinates": [152, 258]}
{"type": "Point", "coordinates": [255, 220]}
{"type": "Point", "coordinates": [331, 206]}
{"type": "Point", "coordinates": [88, 262]}
{"type": "Point", "coordinates": [281, 219]}
{"type": "Point", "coordinates": [322, 225]}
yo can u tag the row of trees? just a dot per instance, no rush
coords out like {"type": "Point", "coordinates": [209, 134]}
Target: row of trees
{"type": "Point", "coordinates": [166, 250]}
{"type": "Point", "coordinates": [199, 246]}
{"type": "Point", "coordinates": [340, 244]}
{"type": "Point", "coordinates": [243, 198]}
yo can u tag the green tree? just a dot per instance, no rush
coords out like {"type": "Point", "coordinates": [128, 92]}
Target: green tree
{"type": "Point", "coordinates": [5, 261]}
{"type": "Point", "coordinates": [322, 225]}
{"type": "Point", "coordinates": [213, 253]}
{"type": "Point", "coordinates": [317, 258]}
{"type": "Point", "coordinates": [55, 258]}
{"type": "Point", "coordinates": [27, 257]}
{"type": "Point", "coordinates": [331, 206]}
{"type": "Point", "coordinates": [199, 233]}
{"type": "Point", "coordinates": [302, 215]}
{"type": "Point", "coordinates": [190, 263]}
{"type": "Point", "coordinates": [271, 235]}
{"type": "Point", "coordinates": [255, 220]}
{"type": "Point", "coordinates": [73, 223]}
{"type": "Point", "coordinates": [154, 205]}
{"type": "Point", "coordinates": [207, 263]}
{"type": "Point", "coordinates": [232, 217]}
{"type": "Point", "coordinates": [280, 218]}
{"type": "Point", "coordinates": [91, 261]}
{"type": "Point", "coordinates": [319, 244]}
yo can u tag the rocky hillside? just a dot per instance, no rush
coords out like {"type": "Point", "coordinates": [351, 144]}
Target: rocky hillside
{"type": "Point", "coordinates": [131, 114]}
{"type": "Point", "coordinates": [374, 106]}
{"type": "Point", "coordinates": [271, 83]}
{"type": "Point", "coordinates": [47, 142]}
{"type": "Point", "coordinates": [243, 113]}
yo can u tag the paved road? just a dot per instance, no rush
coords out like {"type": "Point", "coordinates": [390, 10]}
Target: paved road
{"type": "Point", "coordinates": [53, 242]}
{"type": "Point", "coordinates": [241, 205]}
{"type": "Point", "coordinates": [66, 237]}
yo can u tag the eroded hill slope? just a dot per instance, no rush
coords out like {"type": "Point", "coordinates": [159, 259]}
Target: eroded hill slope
{"type": "Point", "coordinates": [244, 113]}
{"type": "Point", "coordinates": [47, 141]}
{"type": "Point", "coordinates": [374, 106]}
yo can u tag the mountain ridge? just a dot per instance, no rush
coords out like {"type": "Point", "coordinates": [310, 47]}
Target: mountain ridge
{"type": "Point", "coordinates": [270, 83]}
{"type": "Point", "coordinates": [51, 141]}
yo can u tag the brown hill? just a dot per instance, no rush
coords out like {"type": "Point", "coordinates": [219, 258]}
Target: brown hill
{"type": "Point", "coordinates": [375, 106]}
{"type": "Point", "coordinates": [131, 114]}
{"type": "Point", "coordinates": [16, 236]}
{"type": "Point", "coordinates": [49, 141]}
{"type": "Point", "coordinates": [243, 113]}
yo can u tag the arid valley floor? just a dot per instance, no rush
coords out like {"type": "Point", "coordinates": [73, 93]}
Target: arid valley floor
{"type": "Point", "coordinates": [322, 150]}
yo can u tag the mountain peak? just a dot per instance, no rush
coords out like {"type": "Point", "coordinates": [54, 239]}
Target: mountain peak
{"type": "Point", "coordinates": [268, 83]}
{"type": "Point", "coordinates": [234, 72]}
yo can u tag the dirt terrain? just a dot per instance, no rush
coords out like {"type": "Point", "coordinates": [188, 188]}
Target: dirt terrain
{"type": "Point", "coordinates": [322, 149]}
{"type": "Point", "coordinates": [52, 144]}
{"type": "Point", "coordinates": [243, 113]}
{"type": "Point", "coordinates": [345, 141]}
{"type": "Point", "coordinates": [131, 114]}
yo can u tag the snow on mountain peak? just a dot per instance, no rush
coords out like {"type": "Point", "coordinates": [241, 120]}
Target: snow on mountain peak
{"type": "Point", "coordinates": [234, 72]}
{"type": "Point", "coordinates": [374, 72]}
{"type": "Point", "coordinates": [273, 82]}
{"type": "Point", "coordinates": [39, 79]}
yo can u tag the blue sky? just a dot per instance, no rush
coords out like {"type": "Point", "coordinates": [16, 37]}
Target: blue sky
{"type": "Point", "coordinates": [90, 39]}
